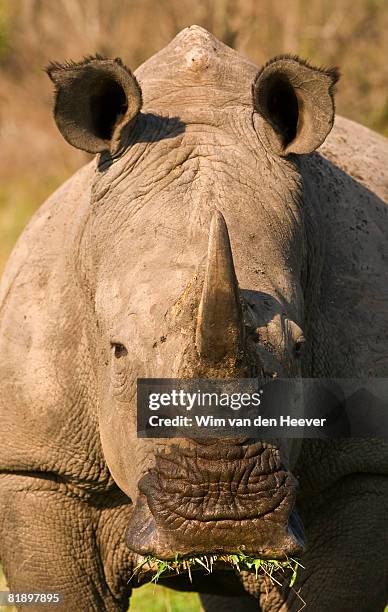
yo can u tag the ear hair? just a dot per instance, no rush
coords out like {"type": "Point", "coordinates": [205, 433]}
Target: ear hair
{"type": "Point", "coordinates": [297, 101]}
{"type": "Point", "coordinates": [94, 100]}
{"type": "Point", "coordinates": [333, 72]}
{"type": "Point", "coordinates": [71, 65]}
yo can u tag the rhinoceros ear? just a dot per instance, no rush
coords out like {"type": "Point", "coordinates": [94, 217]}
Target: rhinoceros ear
{"type": "Point", "coordinates": [94, 101]}
{"type": "Point", "coordinates": [297, 102]}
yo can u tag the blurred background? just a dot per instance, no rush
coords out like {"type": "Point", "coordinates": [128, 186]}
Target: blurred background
{"type": "Point", "coordinates": [34, 159]}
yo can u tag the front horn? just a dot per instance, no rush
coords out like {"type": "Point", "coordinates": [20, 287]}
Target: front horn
{"type": "Point", "coordinates": [220, 324]}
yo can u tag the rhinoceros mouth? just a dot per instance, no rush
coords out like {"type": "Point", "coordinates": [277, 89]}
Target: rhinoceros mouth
{"type": "Point", "coordinates": [150, 564]}
{"type": "Point", "coordinates": [257, 538]}
{"type": "Point", "coordinates": [149, 568]}
{"type": "Point", "coordinates": [220, 501]}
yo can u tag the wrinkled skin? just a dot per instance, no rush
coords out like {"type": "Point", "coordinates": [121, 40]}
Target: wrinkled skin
{"type": "Point", "coordinates": [105, 287]}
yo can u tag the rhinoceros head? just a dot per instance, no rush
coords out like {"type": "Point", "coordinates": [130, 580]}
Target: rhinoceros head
{"type": "Point", "coordinates": [195, 254]}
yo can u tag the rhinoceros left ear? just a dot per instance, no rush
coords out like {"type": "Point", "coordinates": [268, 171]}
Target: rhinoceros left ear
{"type": "Point", "coordinates": [94, 101]}
{"type": "Point", "coordinates": [297, 102]}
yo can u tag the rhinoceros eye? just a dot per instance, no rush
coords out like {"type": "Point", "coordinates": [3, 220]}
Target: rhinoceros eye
{"type": "Point", "coordinates": [298, 346]}
{"type": "Point", "coordinates": [119, 350]}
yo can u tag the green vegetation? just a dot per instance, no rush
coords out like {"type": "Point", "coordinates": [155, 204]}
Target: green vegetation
{"type": "Point", "coordinates": [152, 598]}
{"type": "Point", "coordinates": [5, 38]}
{"type": "Point", "coordinates": [239, 561]}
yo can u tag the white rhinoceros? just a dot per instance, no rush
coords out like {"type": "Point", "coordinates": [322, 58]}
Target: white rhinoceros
{"type": "Point", "coordinates": [127, 272]}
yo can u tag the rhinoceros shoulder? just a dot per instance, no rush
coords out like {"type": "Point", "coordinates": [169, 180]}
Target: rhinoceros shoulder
{"type": "Point", "coordinates": [360, 152]}
{"type": "Point", "coordinates": [44, 358]}
{"type": "Point", "coordinates": [48, 234]}
{"type": "Point", "coordinates": [347, 189]}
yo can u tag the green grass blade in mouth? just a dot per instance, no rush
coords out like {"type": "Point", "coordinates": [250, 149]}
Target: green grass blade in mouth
{"type": "Point", "coordinates": [240, 561]}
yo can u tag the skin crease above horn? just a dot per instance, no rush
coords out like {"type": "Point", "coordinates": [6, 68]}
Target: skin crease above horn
{"type": "Point", "coordinates": [208, 238]}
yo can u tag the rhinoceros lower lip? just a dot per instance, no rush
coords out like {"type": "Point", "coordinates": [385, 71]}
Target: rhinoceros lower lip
{"type": "Point", "coordinates": [263, 539]}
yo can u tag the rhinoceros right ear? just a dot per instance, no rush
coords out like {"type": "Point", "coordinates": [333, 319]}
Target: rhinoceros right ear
{"type": "Point", "coordinates": [297, 102]}
{"type": "Point", "coordinates": [94, 101]}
